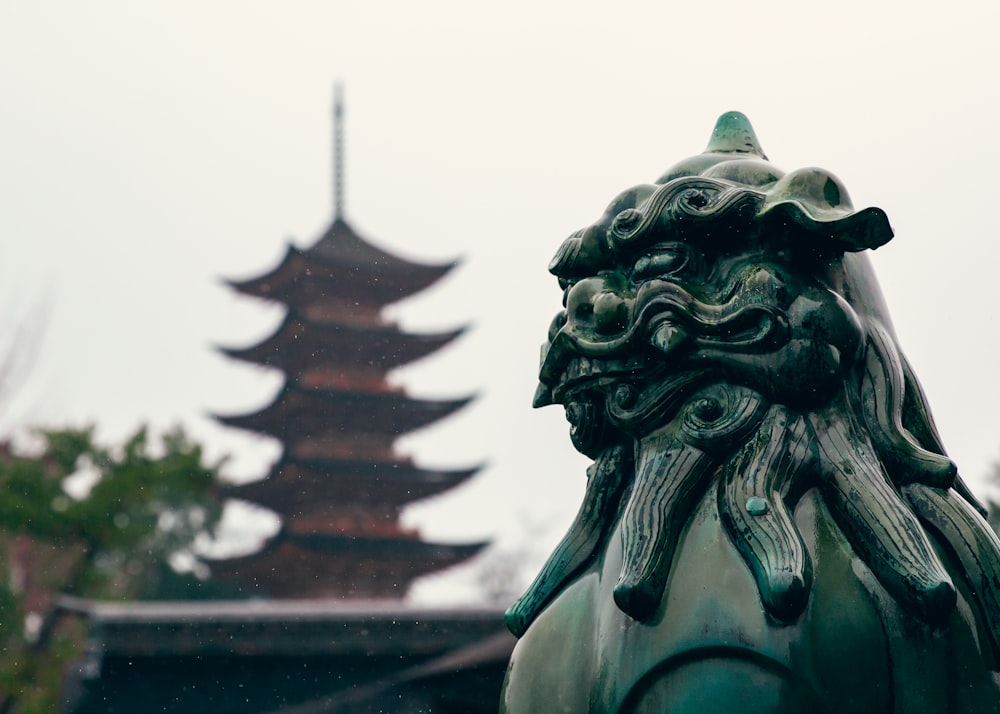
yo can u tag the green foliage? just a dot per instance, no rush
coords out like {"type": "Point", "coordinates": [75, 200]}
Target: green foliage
{"type": "Point", "coordinates": [145, 502]}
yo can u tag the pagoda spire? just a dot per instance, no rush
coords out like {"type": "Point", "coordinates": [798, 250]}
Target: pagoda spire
{"type": "Point", "coordinates": [338, 151]}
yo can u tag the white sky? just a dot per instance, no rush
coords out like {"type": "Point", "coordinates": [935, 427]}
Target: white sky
{"type": "Point", "coordinates": [149, 149]}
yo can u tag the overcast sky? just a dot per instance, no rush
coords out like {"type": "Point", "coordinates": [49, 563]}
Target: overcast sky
{"type": "Point", "coordinates": [150, 149]}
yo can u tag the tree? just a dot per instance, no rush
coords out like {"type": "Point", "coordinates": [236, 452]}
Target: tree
{"type": "Point", "coordinates": [84, 520]}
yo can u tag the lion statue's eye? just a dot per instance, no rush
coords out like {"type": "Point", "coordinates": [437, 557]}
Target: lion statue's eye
{"type": "Point", "coordinates": [661, 261]}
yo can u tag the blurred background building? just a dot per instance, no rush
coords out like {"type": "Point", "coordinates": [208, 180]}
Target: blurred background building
{"type": "Point", "coordinates": [320, 623]}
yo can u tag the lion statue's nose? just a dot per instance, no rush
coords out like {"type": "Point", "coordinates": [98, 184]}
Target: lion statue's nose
{"type": "Point", "coordinates": [610, 313]}
{"type": "Point", "coordinates": [595, 306]}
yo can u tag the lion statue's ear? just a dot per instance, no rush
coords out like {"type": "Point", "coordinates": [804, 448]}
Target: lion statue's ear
{"type": "Point", "coordinates": [815, 202]}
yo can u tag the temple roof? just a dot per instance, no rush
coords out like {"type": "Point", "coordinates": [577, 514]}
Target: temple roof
{"type": "Point", "coordinates": [301, 413]}
{"type": "Point", "coordinates": [342, 266]}
{"type": "Point", "coordinates": [302, 656]}
{"type": "Point", "coordinates": [302, 486]}
{"type": "Point", "coordinates": [299, 344]}
{"type": "Point", "coordinates": [321, 565]}
{"type": "Point", "coordinates": [299, 627]}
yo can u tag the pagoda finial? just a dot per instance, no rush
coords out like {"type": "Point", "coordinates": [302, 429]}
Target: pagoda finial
{"type": "Point", "coordinates": [338, 150]}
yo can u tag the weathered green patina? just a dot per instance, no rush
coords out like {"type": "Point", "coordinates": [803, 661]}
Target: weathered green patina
{"type": "Point", "coordinates": [770, 522]}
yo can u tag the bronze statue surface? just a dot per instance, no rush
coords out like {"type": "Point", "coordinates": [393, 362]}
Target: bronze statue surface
{"type": "Point", "coordinates": [770, 523]}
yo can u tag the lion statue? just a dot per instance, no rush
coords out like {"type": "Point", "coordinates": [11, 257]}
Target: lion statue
{"type": "Point", "coordinates": [770, 522]}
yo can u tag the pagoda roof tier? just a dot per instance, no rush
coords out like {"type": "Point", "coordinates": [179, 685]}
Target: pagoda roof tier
{"type": "Point", "coordinates": [305, 566]}
{"type": "Point", "coordinates": [342, 265]}
{"type": "Point", "coordinates": [304, 486]}
{"type": "Point", "coordinates": [300, 344]}
{"type": "Point", "coordinates": [334, 414]}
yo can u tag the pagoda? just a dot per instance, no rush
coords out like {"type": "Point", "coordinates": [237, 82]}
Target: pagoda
{"type": "Point", "coordinates": [339, 486]}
